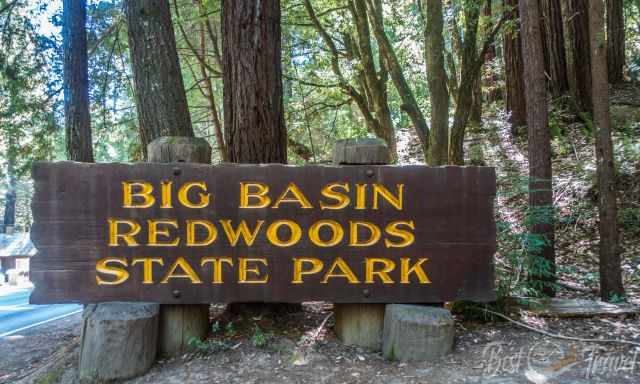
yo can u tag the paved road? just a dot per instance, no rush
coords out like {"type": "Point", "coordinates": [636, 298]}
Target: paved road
{"type": "Point", "coordinates": [16, 314]}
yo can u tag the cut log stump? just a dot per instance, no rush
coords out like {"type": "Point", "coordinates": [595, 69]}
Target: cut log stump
{"type": "Point", "coordinates": [118, 341]}
{"type": "Point", "coordinates": [417, 332]}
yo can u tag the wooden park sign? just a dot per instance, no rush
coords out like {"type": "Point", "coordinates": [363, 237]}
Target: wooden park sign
{"type": "Point", "coordinates": [190, 233]}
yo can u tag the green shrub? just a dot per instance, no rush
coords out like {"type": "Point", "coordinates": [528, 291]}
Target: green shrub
{"type": "Point", "coordinates": [629, 220]}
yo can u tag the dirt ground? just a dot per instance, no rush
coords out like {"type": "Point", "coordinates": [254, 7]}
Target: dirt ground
{"type": "Point", "coordinates": [23, 353]}
{"type": "Point", "coordinates": [302, 348]}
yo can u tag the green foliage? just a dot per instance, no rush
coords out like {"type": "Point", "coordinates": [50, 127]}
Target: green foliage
{"type": "Point", "coordinates": [29, 81]}
{"type": "Point", "coordinates": [51, 377]}
{"type": "Point", "coordinates": [229, 329]}
{"type": "Point", "coordinates": [471, 311]}
{"type": "Point", "coordinates": [617, 299]}
{"type": "Point", "coordinates": [518, 248]}
{"type": "Point", "coordinates": [258, 339]}
{"type": "Point", "coordinates": [629, 219]}
{"type": "Point", "coordinates": [555, 125]}
{"type": "Point", "coordinates": [215, 327]}
{"type": "Point", "coordinates": [208, 346]}
{"type": "Point", "coordinates": [590, 278]}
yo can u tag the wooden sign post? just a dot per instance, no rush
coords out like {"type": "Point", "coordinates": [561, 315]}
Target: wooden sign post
{"type": "Point", "coordinates": [356, 323]}
{"type": "Point", "coordinates": [185, 233]}
{"type": "Point", "coordinates": [180, 323]}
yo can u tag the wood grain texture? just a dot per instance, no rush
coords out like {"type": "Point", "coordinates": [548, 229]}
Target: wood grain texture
{"type": "Point", "coordinates": [452, 208]}
{"type": "Point", "coordinates": [160, 97]}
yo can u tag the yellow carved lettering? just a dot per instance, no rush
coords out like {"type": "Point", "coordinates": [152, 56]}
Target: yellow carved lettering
{"type": "Point", "coordinates": [316, 266]}
{"type": "Point", "coordinates": [120, 275]}
{"type": "Point", "coordinates": [294, 228]}
{"type": "Point", "coordinates": [406, 270]}
{"type": "Point", "coordinates": [256, 191]}
{"type": "Point", "coordinates": [128, 237]}
{"type": "Point", "coordinates": [233, 235]}
{"type": "Point", "coordinates": [244, 269]}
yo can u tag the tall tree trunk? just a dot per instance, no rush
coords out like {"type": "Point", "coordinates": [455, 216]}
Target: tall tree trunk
{"type": "Point", "coordinates": [485, 79]}
{"type": "Point", "coordinates": [541, 247]}
{"type": "Point", "coordinates": [409, 103]}
{"type": "Point", "coordinates": [513, 64]}
{"type": "Point", "coordinates": [253, 108]}
{"type": "Point", "coordinates": [159, 89]}
{"type": "Point", "coordinates": [475, 115]}
{"type": "Point", "coordinates": [567, 21]}
{"type": "Point", "coordinates": [494, 92]}
{"type": "Point", "coordinates": [210, 96]}
{"type": "Point", "coordinates": [374, 81]}
{"type": "Point", "coordinates": [615, 40]}
{"type": "Point", "coordinates": [437, 83]}
{"type": "Point", "coordinates": [610, 273]}
{"type": "Point", "coordinates": [10, 194]}
{"type": "Point", "coordinates": [255, 131]}
{"type": "Point", "coordinates": [581, 53]}
{"type": "Point", "coordinates": [468, 78]}
{"type": "Point", "coordinates": [76, 81]}
{"type": "Point", "coordinates": [553, 44]}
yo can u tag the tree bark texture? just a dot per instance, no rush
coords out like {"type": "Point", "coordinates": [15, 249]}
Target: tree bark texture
{"type": "Point", "coordinates": [437, 83]}
{"type": "Point", "coordinates": [567, 21]}
{"type": "Point", "coordinates": [610, 273]}
{"type": "Point", "coordinates": [253, 109]}
{"type": "Point", "coordinates": [158, 86]}
{"type": "Point", "coordinates": [553, 45]}
{"type": "Point", "coordinates": [76, 81]}
{"type": "Point", "coordinates": [409, 103]}
{"type": "Point", "coordinates": [581, 55]}
{"type": "Point", "coordinates": [10, 194]}
{"type": "Point", "coordinates": [540, 188]}
{"type": "Point", "coordinates": [513, 63]}
{"type": "Point", "coordinates": [210, 96]}
{"type": "Point", "coordinates": [615, 40]}
{"type": "Point", "coordinates": [469, 74]}
{"type": "Point", "coordinates": [491, 78]}
{"type": "Point", "coordinates": [373, 81]}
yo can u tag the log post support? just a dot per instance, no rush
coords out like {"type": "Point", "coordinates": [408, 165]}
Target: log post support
{"type": "Point", "coordinates": [180, 323]}
{"type": "Point", "coordinates": [360, 324]}
{"type": "Point", "coordinates": [118, 341]}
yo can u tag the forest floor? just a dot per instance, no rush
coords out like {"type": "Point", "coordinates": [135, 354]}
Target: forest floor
{"type": "Point", "coordinates": [301, 347]}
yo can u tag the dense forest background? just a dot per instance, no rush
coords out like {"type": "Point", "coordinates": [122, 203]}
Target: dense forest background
{"type": "Point", "coordinates": [441, 81]}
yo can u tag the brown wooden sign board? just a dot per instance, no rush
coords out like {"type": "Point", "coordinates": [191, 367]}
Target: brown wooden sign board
{"type": "Point", "coordinates": [190, 233]}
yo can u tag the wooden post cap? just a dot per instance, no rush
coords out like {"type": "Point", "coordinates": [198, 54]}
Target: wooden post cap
{"type": "Point", "coordinates": [360, 151]}
{"type": "Point", "coordinates": [171, 149]}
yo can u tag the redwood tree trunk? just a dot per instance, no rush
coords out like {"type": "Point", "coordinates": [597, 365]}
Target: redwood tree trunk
{"type": "Point", "coordinates": [76, 81]}
{"type": "Point", "coordinates": [553, 43]}
{"type": "Point", "coordinates": [253, 108]}
{"type": "Point", "coordinates": [567, 21]}
{"type": "Point", "coordinates": [159, 90]}
{"type": "Point", "coordinates": [581, 53]}
{"type": "Point", "coordinates": [615, 40]}
{"type": "Point", "coordinates": [610, 273]}
{"type": "Point", "coordinates": [513, 64]}
{"type": "Point", "coordinates": [541, 248]}
{"type": "Point", "coordinates": [437, 81]}
{"type": "Point", "coordinates": [253, 105]}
